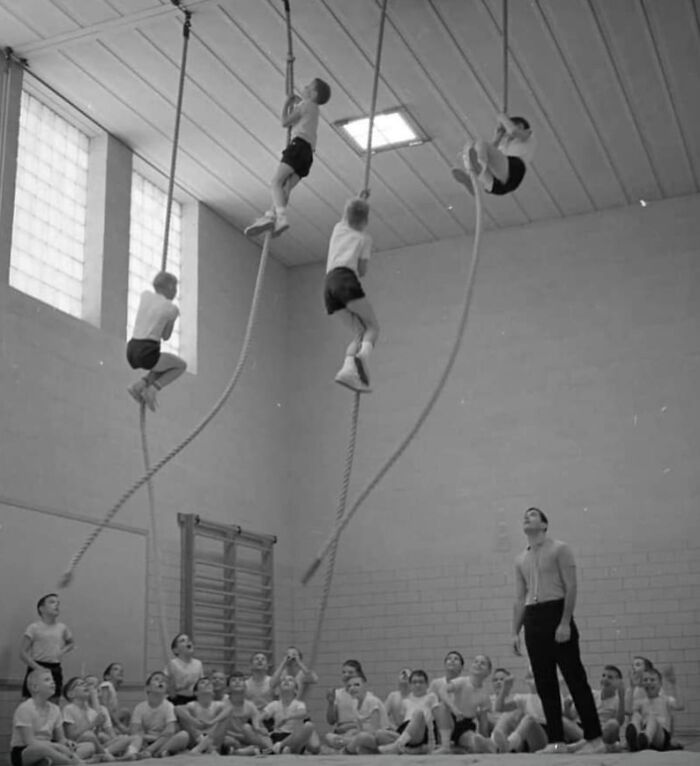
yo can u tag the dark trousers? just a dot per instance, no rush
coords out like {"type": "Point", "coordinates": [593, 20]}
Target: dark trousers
{"type": "Point", "coordinates": [545, 653]}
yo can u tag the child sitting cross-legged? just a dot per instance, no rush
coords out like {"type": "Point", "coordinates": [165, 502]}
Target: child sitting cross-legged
{"type": "Point", "coordinates": [652, 718]}
{"type": "Point", "coordinates": [154, 721]}
{"type": "Point", "coordinates": [200, 716]}
{"type": "Point", "coordinates": [37, 727]}
{"type": "Point", "coordinates": [292, 728]}
{"type": "Point", "coordinates": [416, 730]}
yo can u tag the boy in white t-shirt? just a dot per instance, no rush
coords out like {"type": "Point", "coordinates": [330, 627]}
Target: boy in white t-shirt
{"type": "Point", "coordinates": [500, 165]}
{"type": "Point", "coordinates": [155, 320]}
{"type": "Point", "coordinates": [292, 728]}
{"type": "Point", "coordinates": [37, 726]}
{"type": "Point", "coordinates": [416, 734]}
{"type": "Point", "coordinates": [301, 115]}
{"type": "Point", "coordinates": [183, 670]}
{"type": "Point", "coordinates": [45, 643]}
{"type": "Point", "coordinates": [349, 252]}
{"type": "Point", "coordinates": [154, 721]}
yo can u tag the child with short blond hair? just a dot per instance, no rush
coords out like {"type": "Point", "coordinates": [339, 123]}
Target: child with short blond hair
{"type": "Point", "coordinates": [155, 320]}
{"type": "Point", "coordinates": [349, 252]}
{"type": "Point", "coordinates": [301, 115]}
{"type": "Point", "coordinates": [37, 726]}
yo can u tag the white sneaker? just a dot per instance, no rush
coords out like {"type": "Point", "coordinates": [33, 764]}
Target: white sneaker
{"type": "Point", "coordinates": [281, 225]}
{"type": "Point", "coordinates": [361, 369]}
{"type": "Point", "coordinates": [265, 223]}
{"type": "Point", "coordinates": [350, 379]}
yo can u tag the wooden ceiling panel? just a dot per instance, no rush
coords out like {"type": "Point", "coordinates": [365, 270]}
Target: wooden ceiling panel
{"type": "Point", "coordinates": [611, 88]}
{"type": "Point", "coordinates": [637, 61]}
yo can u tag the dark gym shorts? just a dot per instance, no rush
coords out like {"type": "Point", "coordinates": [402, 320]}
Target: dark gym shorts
{"type": "Point", "coordinates": [516, 173]}
{"type": "Point", "coordinates": [16, 755]}
{"type": "Point", "coordinates": [299, 155]}
{"type": "Point", "coordinates": [460, 727]}
{"type": "Point", "coordinates": [181, 699]}
{"type": "Point", "coordinates": [400, 729]}
{"type": "Point", "coordinates": [143, 353]}
{"type": "Point", "coordinates": [342, 286]}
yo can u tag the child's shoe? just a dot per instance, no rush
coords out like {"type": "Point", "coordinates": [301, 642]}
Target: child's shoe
{"type": "Point", "coordinates": [149, 397]}
{"type": "Point", "coordinates": [136, 391]}
{"type": "Point", "coordinates": [462, 177]}
{"type": "Point", "coordinates": [631, 737]}
{"type": "Point", "coordinates": [348, 377]}
{"type": "Point", "coordinates": [281, 225]}
{"type": "Point", "coordinates": [476, 166]}
{"type": "Point", "coordinates": [361, 369]}
{"type": "Point", "coordinates": [266, 222]}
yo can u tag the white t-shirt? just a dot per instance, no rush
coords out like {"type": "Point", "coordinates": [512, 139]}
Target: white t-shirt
{"type": "Point", "coordinates": [153, 721]}
{"type": "Point", "coordinates": [531, 704]}
{"type": "Point", "coordinates": [306, 126]}
{"type": "Point", "coordinates": [154, 313]}
{"type": "Point", "coordinates": [75, 714]}
{"type": "Point", "coordinates": [366, 709]}
{"type": "Point", "coordinates": [205, 715]}
{"type": "Point", "coordinates": [184, 675]}
{"type": "Point", "coordinates": [259, 692]}
{"type": "Point", "coordinates": [280, 713]}
{"type": "Point", "coordinates": [516, 147]}
{"type": "Point", "coordinates": [45, 723]}
{"type": "Point", "coordinates": [347, 247]}
{"type": "Point", "coordinates": [425, 704]}
{"type": "Point", "coordinates": [47, 641]}
{"type": "Point", "coordinates": [346, 709]}
{"type": "Point", "coordinates": [243, 714]}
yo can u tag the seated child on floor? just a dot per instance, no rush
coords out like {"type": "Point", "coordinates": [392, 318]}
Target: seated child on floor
{"type": "Point", "coordinates": [200, 716]}
{"type": "Point", "coordinates": [183, 670]}
{"type": "Point", "coordinates": [610, 706]}
{"type": "Point", "coordinates": [652, 718]}
{"type": "Point", "coordinates": [292, 730]}
{"type": "Point", "coordinates": [37, 726]}
{"type": "Point", "coordinates": [394, 701]}
{"type": "Point", "coordinates": [416, 731]}
{"type": "Point", "coordinates": [258, 688]}
{"type": "Point", "coordinates": [154, 721]}
{"type": "Point", "coordinates": [108, 690]}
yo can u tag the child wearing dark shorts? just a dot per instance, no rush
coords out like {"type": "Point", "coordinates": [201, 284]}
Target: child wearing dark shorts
{"type": "Point", "coordinates": [499, 165]}
{"type": "Point", "coordinates": [155, 320]}
{"type": "Point", "coordinates": [301, 115]}
{"type": "Point", "coordinates": [349, 251]}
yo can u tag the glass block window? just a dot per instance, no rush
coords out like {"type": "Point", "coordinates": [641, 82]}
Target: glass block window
{"type": "Point", "coordinates": [48, 233]}
{"type": "Point", "coordinates": [148, 204]}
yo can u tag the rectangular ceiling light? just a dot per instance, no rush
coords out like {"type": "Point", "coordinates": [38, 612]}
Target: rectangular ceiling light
{"type": "Point", "coordinates": [392, 129]}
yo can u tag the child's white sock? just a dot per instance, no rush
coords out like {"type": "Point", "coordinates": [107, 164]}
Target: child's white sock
{"type": "Point", "coordinates": [365, 350]}
{"type": "Point", "coordinates": [280, 211]}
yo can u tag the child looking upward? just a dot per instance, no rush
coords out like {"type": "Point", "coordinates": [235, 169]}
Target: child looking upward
{"type": "Point", "coordinates": [348, 255]}
{"type": "Point", "coordinates": [301, 114]}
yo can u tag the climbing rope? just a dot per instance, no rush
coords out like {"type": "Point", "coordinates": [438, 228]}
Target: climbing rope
{"type": "Point", "coordinates": [340, 512]}
{"type": "Point", "coordinates": [342, 523]}
{"type": "Point", "coordinates": [68, 575]}
{"type": "Point", "coordinates": [373, 104]}
{"type": "Point", "coordinates": [155, 547]}
{"type": "Point", "coordinates": [350, 452]}
{"type": "Point", "coordinates": [505, 56]}
{"type": "Point", "coordinates": [289, 75]}
{"type": "Point", "coordinates": [186, 27]}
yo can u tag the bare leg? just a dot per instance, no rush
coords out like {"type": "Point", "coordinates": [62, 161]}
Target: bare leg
{"type": "Point", "coordinates": [282, 184]}
{"type": "Point", "coordinates": [168, 369]}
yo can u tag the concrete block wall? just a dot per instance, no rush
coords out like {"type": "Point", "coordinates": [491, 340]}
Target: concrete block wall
{"type": "Point", "coordinates": [575, 390]}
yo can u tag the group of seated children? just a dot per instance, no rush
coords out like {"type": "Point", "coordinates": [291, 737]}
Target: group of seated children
{"type": "Point", "coordinates": [246, 714]}
{"type": "Point", "coordinates": [455, 713]}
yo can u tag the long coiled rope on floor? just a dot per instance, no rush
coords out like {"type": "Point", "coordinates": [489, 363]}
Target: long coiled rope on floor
{"type": "Point", "coordinates": [350, 451]}
{"type": "Point", "coordinates": [67, 576]}
{"type": "Point", "coordinates": [155, 546]}
{"type": "Point", "coordinates": [466, 303]}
